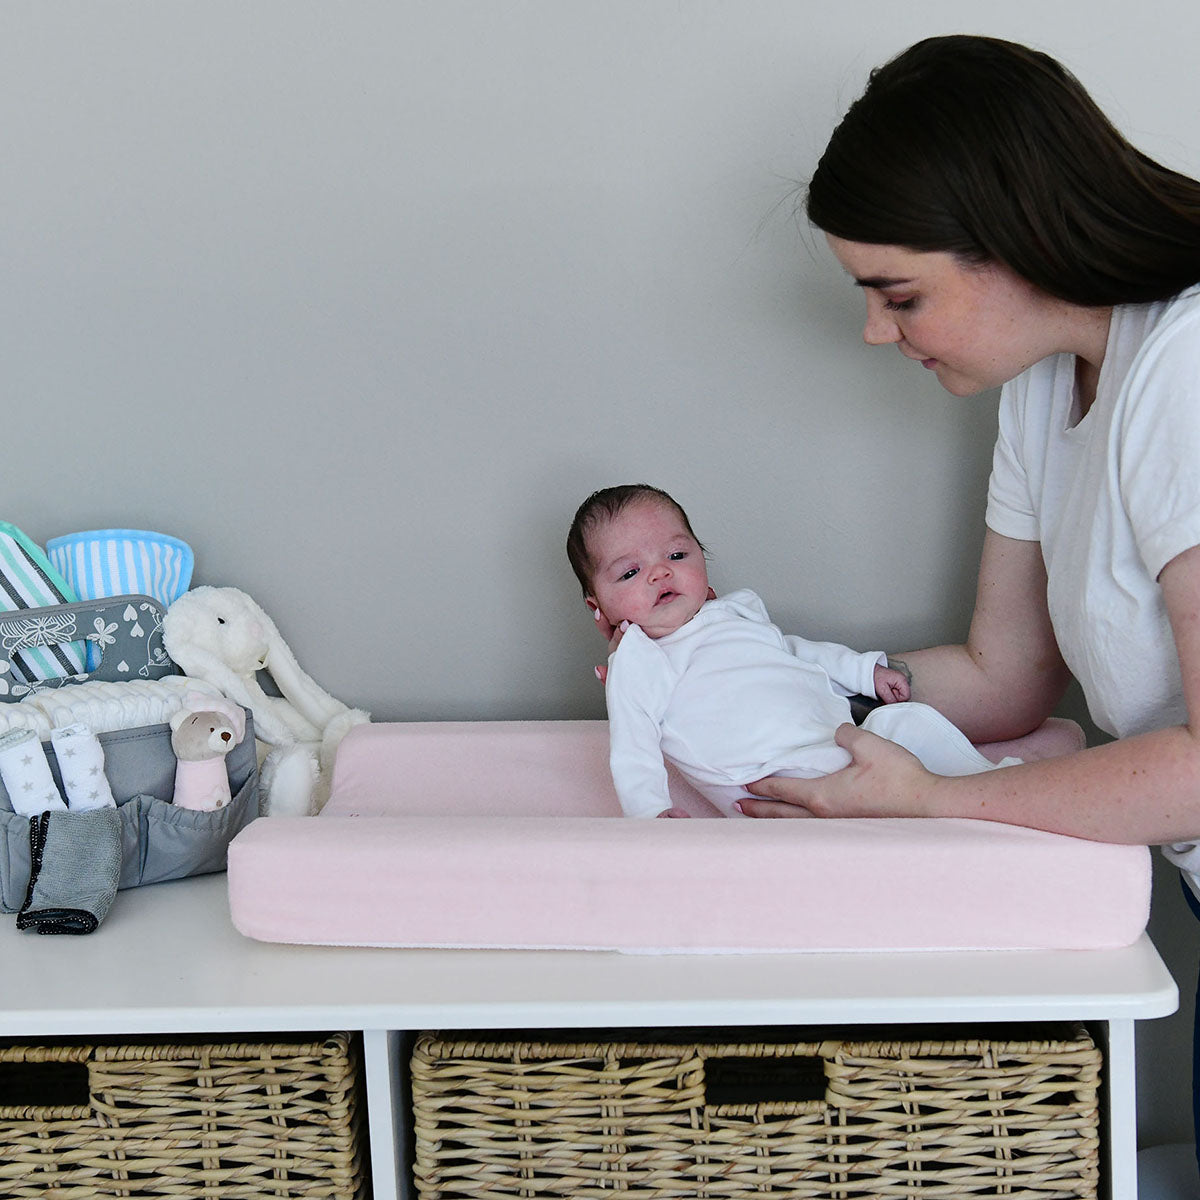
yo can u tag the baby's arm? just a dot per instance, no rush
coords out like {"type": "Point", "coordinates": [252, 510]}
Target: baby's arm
{"type": "Point", "coordinates": [851, 672]}
{"type": "Point", "coordinates": [636, 694]}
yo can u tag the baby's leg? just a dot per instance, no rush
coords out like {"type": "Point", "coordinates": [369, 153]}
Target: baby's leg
{"type": "Point", "coordinates": [941, 746]}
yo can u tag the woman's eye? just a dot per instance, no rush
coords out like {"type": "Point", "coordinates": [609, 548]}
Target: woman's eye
{"type": "Point", "coordinates": [899, 305]}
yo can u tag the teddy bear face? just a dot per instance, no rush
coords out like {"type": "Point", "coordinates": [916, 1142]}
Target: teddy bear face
{"type": "Point", "coordinates": [203, 735]}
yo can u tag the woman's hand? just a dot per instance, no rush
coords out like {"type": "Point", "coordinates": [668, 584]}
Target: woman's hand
{"type": "Point", "coordinates": [882, 780]}
{"type": "Point", "coordinates": [602, 622]}
{"type": "Point", "coordinates": [614, 640]}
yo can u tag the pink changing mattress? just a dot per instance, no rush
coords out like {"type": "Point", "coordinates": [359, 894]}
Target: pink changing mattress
{"type": "Point", "coordinates": [509, 834]}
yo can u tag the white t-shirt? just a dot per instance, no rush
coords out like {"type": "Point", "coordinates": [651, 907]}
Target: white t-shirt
{"type": "Point", "coordinates": [1112, 498]}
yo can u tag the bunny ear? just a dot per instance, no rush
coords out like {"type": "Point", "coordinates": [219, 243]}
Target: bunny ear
{"type": "Point", "coordinates": [309, 699]}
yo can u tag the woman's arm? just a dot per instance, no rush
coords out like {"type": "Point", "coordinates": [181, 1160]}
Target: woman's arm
{"type": "Point", "coordinates": [1143, 789]}
{"type": "Point", "coordinates": [1008, 676]}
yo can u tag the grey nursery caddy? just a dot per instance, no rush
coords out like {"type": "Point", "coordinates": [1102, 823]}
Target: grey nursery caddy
{"type": "Point", "coordinates": [158, 840]}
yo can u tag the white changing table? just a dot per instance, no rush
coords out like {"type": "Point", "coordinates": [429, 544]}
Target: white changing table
{"type": "Point", "coordinates": [168, 960]}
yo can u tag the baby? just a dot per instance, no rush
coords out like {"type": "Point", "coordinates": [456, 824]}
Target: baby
{"type": "Point", "coordinates": [710, 684]}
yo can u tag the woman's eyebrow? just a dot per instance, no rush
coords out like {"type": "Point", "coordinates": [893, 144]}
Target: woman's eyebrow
{"type": "Point", "coordinates": [881, 281]}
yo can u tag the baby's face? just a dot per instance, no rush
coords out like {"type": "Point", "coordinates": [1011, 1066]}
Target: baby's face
{"type": "Point", "coordinates": [649, 570]}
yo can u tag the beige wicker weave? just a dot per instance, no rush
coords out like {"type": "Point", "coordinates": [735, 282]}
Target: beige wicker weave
{"type": "Point", "coordinates": [951, 1118]}
{"type": "Point", "coordinates": [201, 1122]}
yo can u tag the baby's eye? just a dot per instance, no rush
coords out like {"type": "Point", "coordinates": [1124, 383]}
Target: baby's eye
{"type": "Point", "coordinates": [677, 555]}
{"type": "Point", "coordinates": [899, 305]}
{"type": "Point", "coordinates": [629, 574]}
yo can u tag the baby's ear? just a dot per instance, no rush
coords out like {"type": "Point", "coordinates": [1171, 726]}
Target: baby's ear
{"type": "Point", "coordinates": [711, 594]}
{"type": "Point", "coordinates": [602, 626]}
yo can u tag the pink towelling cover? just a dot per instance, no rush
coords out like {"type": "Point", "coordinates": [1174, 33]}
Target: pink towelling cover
{"type": "Point", "coordinates": [509, 834]}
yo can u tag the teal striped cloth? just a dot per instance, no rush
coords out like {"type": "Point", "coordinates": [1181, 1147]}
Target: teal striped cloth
{"type": "Point", "coordinates": [29, 581]}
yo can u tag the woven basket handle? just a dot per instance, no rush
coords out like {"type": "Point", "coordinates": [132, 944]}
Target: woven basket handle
{"type": "Point", "coordinates": [795, 1084]}
{"type": "Point", "coordinates": [44, 1090]}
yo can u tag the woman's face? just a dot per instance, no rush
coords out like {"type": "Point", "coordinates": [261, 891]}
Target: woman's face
{"type": "Point", "coordinates": [975, 327]}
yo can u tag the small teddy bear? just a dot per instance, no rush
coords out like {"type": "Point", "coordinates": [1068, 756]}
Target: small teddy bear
{"type": "Point", "coordinates": [220, 635]}
{"type": "Point", "coordinates": [203, 731]}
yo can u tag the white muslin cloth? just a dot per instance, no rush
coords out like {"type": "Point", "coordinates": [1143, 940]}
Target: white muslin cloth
{"type": "Point", "coordinates": [25, 771]}
{"type": "Point", "coordinates": [81, 767]}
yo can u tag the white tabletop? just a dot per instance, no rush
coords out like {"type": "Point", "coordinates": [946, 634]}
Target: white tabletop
{"type": "Point", "coordinates": [167, 959]}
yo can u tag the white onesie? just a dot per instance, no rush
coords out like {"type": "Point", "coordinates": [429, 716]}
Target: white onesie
{"type": "Point", "coordinates": [729, 699]}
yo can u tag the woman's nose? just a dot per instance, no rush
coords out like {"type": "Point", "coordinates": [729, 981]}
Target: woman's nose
{"type": "Point", "coordinates": [880, 328]}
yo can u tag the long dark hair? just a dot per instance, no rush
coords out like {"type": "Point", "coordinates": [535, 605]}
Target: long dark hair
{"type": "Point", "coordinates": [995, 152]}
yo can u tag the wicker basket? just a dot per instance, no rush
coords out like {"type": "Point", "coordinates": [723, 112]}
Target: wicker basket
{"type": "Point", "coordinates": [215, 1121]}
{"type": "Point", "coordinates": [929, 1114]}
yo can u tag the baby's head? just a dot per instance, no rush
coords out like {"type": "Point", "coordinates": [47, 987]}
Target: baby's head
{"type": "Point", "coordinates": [637, 559]}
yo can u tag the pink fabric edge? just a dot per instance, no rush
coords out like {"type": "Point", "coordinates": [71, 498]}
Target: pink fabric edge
{"type": "Point", "coordinates": [458, 870]}
{"type": "Point", "coordinates": [596, 883]}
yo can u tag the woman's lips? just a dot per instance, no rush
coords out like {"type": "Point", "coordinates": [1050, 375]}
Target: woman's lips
{"type": "Point", "coordinates": [927, 363]}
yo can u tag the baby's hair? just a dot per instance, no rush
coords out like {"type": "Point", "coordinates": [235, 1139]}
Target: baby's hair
{"type": "Point", "coordinates": [600, 508]}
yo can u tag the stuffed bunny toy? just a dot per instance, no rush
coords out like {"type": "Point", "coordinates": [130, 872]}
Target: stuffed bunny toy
{"type": "Point", "coordinates": [220, 635]}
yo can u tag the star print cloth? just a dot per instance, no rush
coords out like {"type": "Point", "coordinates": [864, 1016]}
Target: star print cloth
{"type": "Point", "coordinates": [81, 766]}
{"type": "Point", "coordinates": [26, 774]}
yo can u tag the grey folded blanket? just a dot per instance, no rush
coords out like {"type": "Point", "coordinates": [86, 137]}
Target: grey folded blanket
{"type": "Point", "coordinates": [75, 865]}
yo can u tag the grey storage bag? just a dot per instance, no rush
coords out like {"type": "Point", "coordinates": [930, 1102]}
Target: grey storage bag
{"type": "Point", "coordinates": [158, 840]}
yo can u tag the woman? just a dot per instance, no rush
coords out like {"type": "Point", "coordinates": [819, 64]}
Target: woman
{"type": "Point", "coordinates": [1003, 232]}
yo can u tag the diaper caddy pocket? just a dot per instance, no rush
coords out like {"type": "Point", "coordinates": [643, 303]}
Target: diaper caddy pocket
{"type": "Point", "coordinates": [158, 840]}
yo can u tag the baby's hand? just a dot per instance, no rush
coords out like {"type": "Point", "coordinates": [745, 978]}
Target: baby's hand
{"type": "Point", "coordinates": [674, 811]}
{"type": "Point", "coordinates": [891, 686]}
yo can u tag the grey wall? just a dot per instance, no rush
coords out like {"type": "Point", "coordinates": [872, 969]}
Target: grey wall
{"type": "Point", "coordinates": [361, 298]}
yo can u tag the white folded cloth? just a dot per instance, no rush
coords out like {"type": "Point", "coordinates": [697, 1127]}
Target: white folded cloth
{"type": "Point", "coordinates": [25, 771]}
{"type": "Point", "coordinates": [22, 716]}
{"type": "Point", "coordinates": [104, 706]}
{"type": "Point", "coordinates": [81, 767]}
